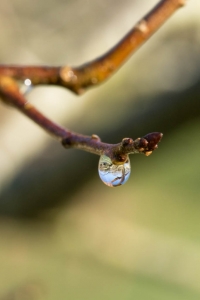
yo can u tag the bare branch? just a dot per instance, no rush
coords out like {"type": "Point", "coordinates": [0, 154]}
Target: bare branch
{"type": "Point", "coordinates": [118, 153]}
{"type": "Point", "coordinates": [77, 79]}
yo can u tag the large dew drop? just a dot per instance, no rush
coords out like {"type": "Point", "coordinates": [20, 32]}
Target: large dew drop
{"type": "Point", "coordinates": [113, 175]}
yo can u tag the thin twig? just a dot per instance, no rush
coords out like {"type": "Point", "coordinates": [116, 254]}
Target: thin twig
{"type": "Point", "coordinates": [77, 79]}
{"type": "Point", "coordinates": [9, 91]}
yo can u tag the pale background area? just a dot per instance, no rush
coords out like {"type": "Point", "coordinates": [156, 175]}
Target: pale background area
{"type": "Point", "coordinates": [63, 233]}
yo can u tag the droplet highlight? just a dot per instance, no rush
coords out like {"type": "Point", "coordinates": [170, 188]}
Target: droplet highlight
{"type": "Point", "coordinates": [113, 175]}
{"type": "Point", "coordinates": [26, 86]}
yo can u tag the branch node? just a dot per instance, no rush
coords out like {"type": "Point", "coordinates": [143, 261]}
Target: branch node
{"type": "Point", "coordinates": [67, 75]}
{"type": "Point", "coordinates": [66, 142]}
{"type": "Point", "coordinates": [142, 26]}
{"type": "Point", "coordinates": [127, 142]}
{"type": "Point", "coordinates": [28, 106]}
{"type": "Point", "coordinates": [182, 2]}
{"type": "Point", "coordinates": [96, 137]}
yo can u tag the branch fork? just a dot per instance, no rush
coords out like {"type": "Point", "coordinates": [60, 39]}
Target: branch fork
{"type": "Point", "coordinates": [78, 79]}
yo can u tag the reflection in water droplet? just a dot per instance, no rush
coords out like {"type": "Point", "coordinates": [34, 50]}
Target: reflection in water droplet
{"type": "Point", "coordinates": [113, 175]}
{"type": "Point", "coordinates": [26, 86]}
{"type": "Point", "coordinates": [27, 82]}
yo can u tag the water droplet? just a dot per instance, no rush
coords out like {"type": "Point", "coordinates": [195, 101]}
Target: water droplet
{"type": "Point", "coordinates": [26, 86]}
{"type": "Point", "coordinates": [113, 175]}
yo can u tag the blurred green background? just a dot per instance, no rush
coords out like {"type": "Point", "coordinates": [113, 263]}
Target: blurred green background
{"type": "Point", "coordinates": [63, 233]}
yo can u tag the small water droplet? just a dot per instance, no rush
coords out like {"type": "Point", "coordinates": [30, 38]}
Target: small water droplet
{"type": "Point", "coordinates": [27, 82]}
{"type": "Point", "coordinates": [26, 86]}
{"type": "Point", "coordinates": [113, 175]}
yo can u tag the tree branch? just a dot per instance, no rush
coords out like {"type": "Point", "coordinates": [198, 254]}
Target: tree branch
{"type": "Point", "coordinates": [118, 153]}
{"type": "Point", "coordinates": [78, 79]}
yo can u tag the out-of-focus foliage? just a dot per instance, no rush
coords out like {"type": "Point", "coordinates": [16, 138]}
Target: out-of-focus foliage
{"type": "Point", "coordinates": [64, 235]}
